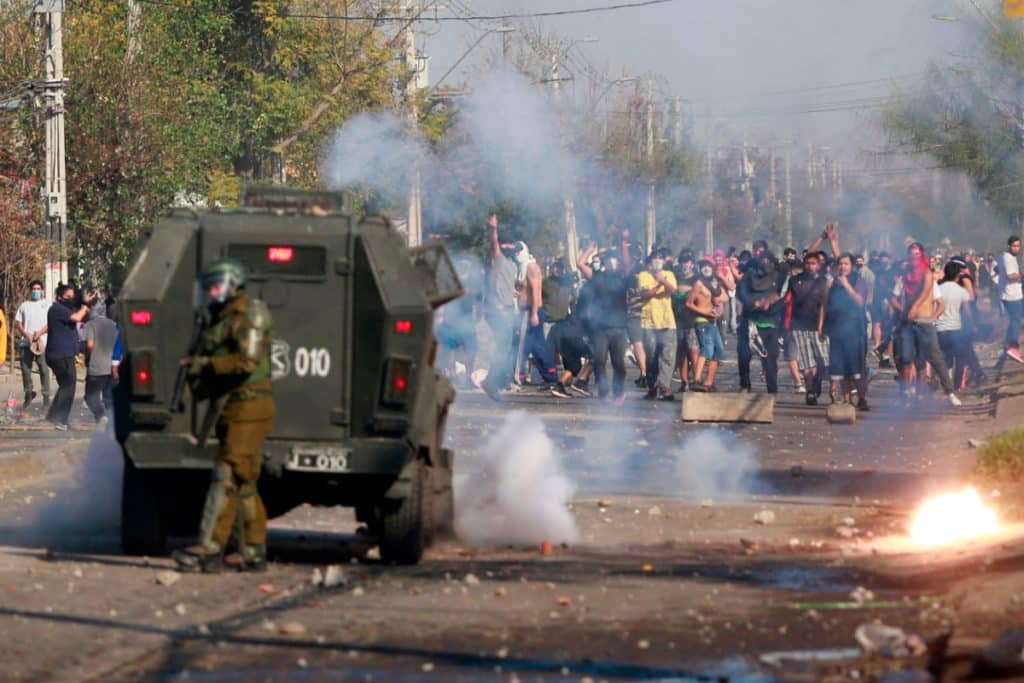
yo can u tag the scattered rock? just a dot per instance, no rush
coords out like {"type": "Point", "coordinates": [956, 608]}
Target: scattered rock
{"type": "Point", "coordinates": [180, 610]}
{"type": "Point", "coordinates": [292, 628]}
{"type": "Point", "coordinates": [796, 471]}
{"type": "Point", "coordinates": [565, 601]}
{"type": "Point", "coordinates": [268, 625]}
{"type": "Point", "coordinates": [545, 547]}
{"type": "Point", "coordinates": [168, 578]}
{"type": "Point", "coordinates": [357, 591]}
{"type": "Point", "coordinates": [862, 594]}
{"type": "Point", "coordinates": [654, 511]}
{"type": "Point", "coordinates": [848, 521]}
{"type": "Point", "coordinates": [334, 576]}
{"type": "Point", "coordinates": [266, 588]}
{"type": "Point", "coordinates": [643, 644]}
{"type": "Point", "coordinates": [317, 577]}
{"type": "Point", "coordinates": [764, 517]}
{"type": "Point", "coordinates": [706, 503]}
{"type": "Point", "coordinates": [203, 630]}
{"type": "Point", "coordinates": [748, 544]}
{"type": "Point", "coordinates": [845, 532]}
{"type": "Point", "coordinates": [471, 580]}
{"type": "Point", "coordinates": [500, 592]}
{"type": "Point", "coordinates": [301, 661]}
{"type": "Point", "coordinates": [603, 504]}
{"type": "Point", "coordinates": [427, 667]}
{"type": "Point", "coordinates": [977, 443]}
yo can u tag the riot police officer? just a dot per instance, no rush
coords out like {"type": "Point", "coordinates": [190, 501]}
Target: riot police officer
{"type": "Point", "coordinates": [231, 367]}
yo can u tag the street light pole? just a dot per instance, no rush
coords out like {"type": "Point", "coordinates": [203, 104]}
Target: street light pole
{"type": "Point", "coordinates": [652, 217]}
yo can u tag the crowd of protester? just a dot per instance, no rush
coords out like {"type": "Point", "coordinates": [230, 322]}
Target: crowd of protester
{"type": "Point", "coordinates": [824, 312]}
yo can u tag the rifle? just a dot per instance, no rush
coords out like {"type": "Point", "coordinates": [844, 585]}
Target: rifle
{"type": "Point", "coordinates": [177, 398]}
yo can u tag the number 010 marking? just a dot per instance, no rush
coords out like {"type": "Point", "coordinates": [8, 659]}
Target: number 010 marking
{"type": "Point", "coordinates": [312, 362]}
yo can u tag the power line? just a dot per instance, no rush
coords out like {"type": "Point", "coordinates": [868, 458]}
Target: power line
{"type": "Point", "coordinates": [481, 17]}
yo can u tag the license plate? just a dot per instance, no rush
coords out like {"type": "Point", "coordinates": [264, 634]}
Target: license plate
{"type": "Point", "coordinates": [305, 459]}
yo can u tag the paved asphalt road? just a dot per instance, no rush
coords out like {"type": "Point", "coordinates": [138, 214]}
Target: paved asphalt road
{"type": "Point", "coordinates": [671, 579]}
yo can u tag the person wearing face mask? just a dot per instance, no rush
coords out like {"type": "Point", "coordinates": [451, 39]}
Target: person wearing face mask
{"type": "Point", "coordinates": [687, 346]}
{"type": "Point", "coordinates": [656, 286]}
{"type": "Point", "coordinates": [842, 318]}
{"type": "Point", "coordinates": [30, 321]}
{"type": "Point", "coordinates": [62, 346]}
{"type": "Point", "coordinates": [607, 315]}
{"type": "Point", "coordinates": [762, 293]}
{"type": "Point", "coordinates": [807, 296]}
{"type": "Point", "coordinates": [231, 367]}
{"type": "Point", "coordinates": [706, 303]}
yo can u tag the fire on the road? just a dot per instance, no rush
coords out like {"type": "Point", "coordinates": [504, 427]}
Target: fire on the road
{"type": "Point", "coordinates": [952, 517]}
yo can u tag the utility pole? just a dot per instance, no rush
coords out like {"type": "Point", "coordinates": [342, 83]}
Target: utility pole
{"type": "Point", "coordinates": [415, 216]}
{"type": "Point", "coordinates": [572, 241]}
{"type": "Point", "coordinates": [652, 217]}
{"type": "Point", "coordinates": [709, 224]}
{"type": "Point", "coordinates": [677, 132]}
{"type": "Point", "coordinates": [53, 111]}
{"type": "Point", "coordinates": [789, 197]}
{"type": "Point", "coordinates": [771, 179]}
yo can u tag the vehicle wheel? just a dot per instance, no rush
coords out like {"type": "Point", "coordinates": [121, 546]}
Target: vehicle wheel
{"type": "Point", "coordinates": [404, 524]}
{"type": "Point", "coordinates": [142, 527]}
{"type": "Point", "coordinates": [443, 504]}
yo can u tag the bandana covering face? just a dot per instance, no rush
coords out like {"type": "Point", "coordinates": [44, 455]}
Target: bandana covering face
{"type": "Point", "coordinates": [523, 259]}
{"type": "Point", "coordinates": [914, 279]}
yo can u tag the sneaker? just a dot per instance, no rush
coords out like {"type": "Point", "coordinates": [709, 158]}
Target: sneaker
{"type": "Point", "coordinates": [581, 390]}
{"type": "Point", "coordinates": [1014, 353]}
{"type": "Point", "coordinates": [710, 388]}
{"type": "Point", "coordinates": [241, 562]}
{"type": "Point", "coordinates": [28, 399]}
{"type": "Point", "coordinates": [955, 401]}
{"type": "Point", "coordinates": [559, 391]}
{"type": "Point", "coordinates": [862, 405]}
{"type": "Point", "coordinates": [665, 395]}
{"type": "Point", "coordinates": [886, 362]}
{"type": "Point", "coordinates": [651, 395]}
{"type": "Point", "coordinates": [682, 389]}
{"type": "Point", "coordinates": [46, 402]}
{"type": "Point", "coordinates": [744, 390]}
{"type": "Point", "coordinates": [811, 399]}
{"type": "Point", "coordinates": [801, 389]}
{"type": "Point", "coordinates": [60, 426]}
{"type": "Point", "coordinates": [619, 400]}
{"type": "Point", "coordinates": [699, 388]}
{"type": "Point", "coordinates": [641, 381]}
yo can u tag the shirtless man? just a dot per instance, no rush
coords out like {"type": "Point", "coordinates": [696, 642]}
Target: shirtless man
{"type": "Point", "coordinates": [529, 285]}
{"type": "Point", "coordinates": [917, 305]}
{"type": "Point", "coordinates": [707, 300]}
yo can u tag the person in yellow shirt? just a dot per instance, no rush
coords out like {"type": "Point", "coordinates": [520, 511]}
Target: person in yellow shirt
{"type": "Point", "coordinates": [656, 286]}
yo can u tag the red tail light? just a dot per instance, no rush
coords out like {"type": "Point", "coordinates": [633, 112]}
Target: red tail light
{"type": "Point", "coordinates": [403, 326]}
{"type": "Point", "coordinates": [141, 317]}
{"type": "Point", "coordinates": [395, 391]}
{"type": "Point", "coordinates": [280, 254]}
{"type": "Point", "coordinates": [142, 374]}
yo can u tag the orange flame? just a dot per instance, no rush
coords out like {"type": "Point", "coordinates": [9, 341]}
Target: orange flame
{"type": "Point", "coordinates": [952, 517]}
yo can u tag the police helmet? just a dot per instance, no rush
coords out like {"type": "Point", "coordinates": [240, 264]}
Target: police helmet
{"type": "Point", "coordinates": [228, 271]}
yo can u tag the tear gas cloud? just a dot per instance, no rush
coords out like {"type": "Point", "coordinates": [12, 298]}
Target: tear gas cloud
{"type": "Point", "coordinates": [713, 463]}
{"type": "Point", "coordinates": [519, 493]}
{"type": "Point", "coordinates": [508, 131]}
{"type": "Point", "coordinates": [86, 508]}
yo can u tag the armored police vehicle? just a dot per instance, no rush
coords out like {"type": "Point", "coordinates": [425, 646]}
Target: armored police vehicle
{"type": "Point", "coordinates": [360, 408]}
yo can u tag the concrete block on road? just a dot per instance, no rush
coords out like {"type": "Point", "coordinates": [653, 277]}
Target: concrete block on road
{"type": "Point", "coordinates": [841, 414]}
{"type": "Point", "coordinates": [724, 407]}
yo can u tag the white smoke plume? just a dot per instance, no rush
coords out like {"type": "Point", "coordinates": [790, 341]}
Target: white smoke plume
{"type": "Point", "coordinates": [713, 463]}
{"type": "Point", "coordinates": [87, 505]}
{"type": "Point", "coordinates": [519, 496]}
{"type": "Point", "coordinates": [373, 150]}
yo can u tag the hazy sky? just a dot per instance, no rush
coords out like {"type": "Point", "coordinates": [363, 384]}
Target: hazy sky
{"type": "Point", "coordinates": [730, 58]}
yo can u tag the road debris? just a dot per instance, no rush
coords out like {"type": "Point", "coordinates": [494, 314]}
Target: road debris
{"type": "Point", "coordinates": [861, 594]}
{"type": "Point", "coordinates": [167, 578]}
{"type": "Point", "coordinates": [292, 628]}
{"type": "Point", "coordinates": [764, 517]}
{"type": "Point", "coordinates": [471, 580]}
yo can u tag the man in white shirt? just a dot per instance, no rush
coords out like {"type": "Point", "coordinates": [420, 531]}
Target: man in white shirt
{"type": "Point", "coordinates": [1012, 295]}
{"type": "Point", "coordinates": [30, 321]}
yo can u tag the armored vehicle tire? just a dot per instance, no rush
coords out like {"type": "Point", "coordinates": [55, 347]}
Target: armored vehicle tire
{"type": "Point", "coordinates": [142, 524]}
{"type": "Point", "coordinates": [404, 524]}
{"type": "Point", "coordinates": [443, 503]}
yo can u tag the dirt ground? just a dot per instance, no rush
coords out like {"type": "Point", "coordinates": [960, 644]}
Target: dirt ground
{"type": "Point", "coordinates": [662, 585]}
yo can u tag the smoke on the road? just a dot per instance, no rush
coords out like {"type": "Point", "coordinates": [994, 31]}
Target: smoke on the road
{"type": "Point", "coordinates": [713, 463]}
{"type": "Point", "coordinates": [520, 493]}
{"type": "Point", "coordinates": [88, 504]}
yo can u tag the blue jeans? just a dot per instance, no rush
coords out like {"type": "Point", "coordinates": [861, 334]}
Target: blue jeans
{"type": "Point", "coordinates": [1014, 309]}
{"type": "Point", "coordinates": [711, 346]}
{"type": "Point", "coordinates": [536, 345]}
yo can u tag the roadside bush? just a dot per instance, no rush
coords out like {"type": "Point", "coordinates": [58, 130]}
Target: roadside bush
{"type": "Point", "coordinates": [1002, 458]}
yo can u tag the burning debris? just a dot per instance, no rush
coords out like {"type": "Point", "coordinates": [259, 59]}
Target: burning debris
{"type": "Point", "coordinates": [953, 517]}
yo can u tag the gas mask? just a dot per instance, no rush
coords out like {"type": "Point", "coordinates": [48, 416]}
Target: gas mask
{"type": "Point", "coordinates": [707, 271]}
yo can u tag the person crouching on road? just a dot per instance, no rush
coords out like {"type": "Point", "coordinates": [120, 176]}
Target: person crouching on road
{"type": "Point", "coordinates": [232, 368]}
